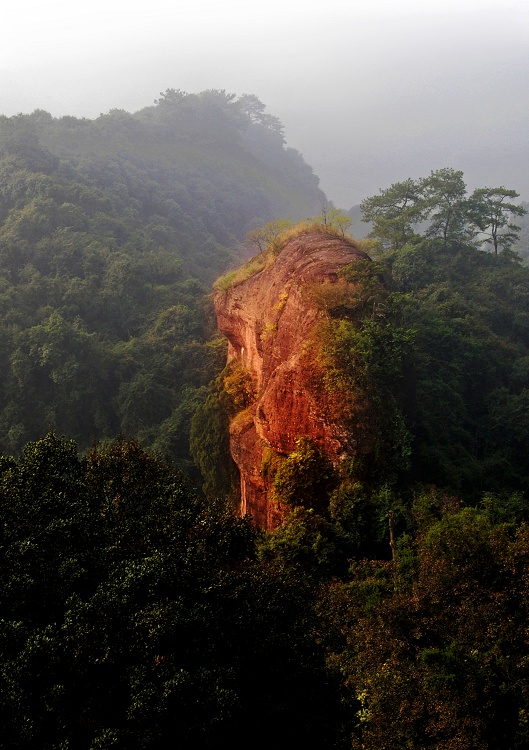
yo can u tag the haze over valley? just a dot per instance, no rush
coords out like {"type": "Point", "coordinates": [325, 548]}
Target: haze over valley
{"type": "Point", "coordinates": [369, 92]}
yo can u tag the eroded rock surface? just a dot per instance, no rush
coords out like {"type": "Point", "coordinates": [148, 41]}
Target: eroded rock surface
{"type": "Point", "coordinates": [268, 320]}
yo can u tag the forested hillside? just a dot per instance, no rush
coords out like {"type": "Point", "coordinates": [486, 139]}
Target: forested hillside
{"type": "Point", "coordinates": [389, 607]}
{"type": "Point", "coordinates": [461, 289]}
{"type": "Point", "coordinates": [111, 232]}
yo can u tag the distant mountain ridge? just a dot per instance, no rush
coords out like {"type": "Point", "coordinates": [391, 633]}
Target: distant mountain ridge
{"type": "Point", "coordinates": [218, 160]}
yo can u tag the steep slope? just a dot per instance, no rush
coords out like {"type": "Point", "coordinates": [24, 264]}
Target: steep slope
{"type": "Point", "coordinates": [197, 170]}
{"type": "Point", "coordinates": [111, 232]}
{"type": "Point", "coordinates": [270, 320]}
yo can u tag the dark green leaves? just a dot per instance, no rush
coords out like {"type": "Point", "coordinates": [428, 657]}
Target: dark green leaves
{"type": "Point", "coordinates": [133, 612]}
{"type": "Point", "coordinates": [438, 206]}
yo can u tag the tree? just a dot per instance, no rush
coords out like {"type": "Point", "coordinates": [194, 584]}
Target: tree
{"type": "Point", "coordinates": [441, 199]}
{"type": "Point", "coordinates": [268, 235]}
{"type": "Point", "coordinates": [445, 196]}
{"type": "Point", "coordinates": [335, 220]}
{"type": "Point", "coordinates": [106, 226]}
{"type": "Point", "coordinates": [254, 109]}
{"type": "Point", "coordinates": [396, 212]}
{"type": "Point", "coordinates": [491, 213]}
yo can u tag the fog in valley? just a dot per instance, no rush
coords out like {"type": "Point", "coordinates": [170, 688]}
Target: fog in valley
{"type": "Point", "coordinates": [369, 92]}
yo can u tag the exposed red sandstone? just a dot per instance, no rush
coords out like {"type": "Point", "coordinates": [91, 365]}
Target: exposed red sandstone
{"type": "Point", "coordinates": [268, 320]}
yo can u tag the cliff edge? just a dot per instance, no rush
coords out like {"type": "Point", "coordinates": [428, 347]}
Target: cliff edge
{"type": "Point", "coordinates": [269, 320]}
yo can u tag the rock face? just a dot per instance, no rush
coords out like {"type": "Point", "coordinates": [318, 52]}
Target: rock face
{"type": "Point", "coordinates": [268, 320]}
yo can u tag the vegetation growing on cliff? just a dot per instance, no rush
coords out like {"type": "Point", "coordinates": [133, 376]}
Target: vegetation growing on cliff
{"type": "Point", "coordinates": [271, 238]}
{"type": "Point", "coordinates": [424, 354]}
{"type": "Point", "coordinates": [364, 356]}
{"type": "Point", "coordinates": [228, 395]}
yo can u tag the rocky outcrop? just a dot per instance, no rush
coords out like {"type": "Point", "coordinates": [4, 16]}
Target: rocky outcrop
{"type": "Point", "coordinates": [269, 320]}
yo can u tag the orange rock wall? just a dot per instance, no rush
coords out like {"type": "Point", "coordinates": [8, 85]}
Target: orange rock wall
{"type": "Point", "coordinates": [267, 320]}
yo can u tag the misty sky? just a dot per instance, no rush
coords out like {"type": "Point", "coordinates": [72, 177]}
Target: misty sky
{"type": "Point", "coordinates": [369, 92]}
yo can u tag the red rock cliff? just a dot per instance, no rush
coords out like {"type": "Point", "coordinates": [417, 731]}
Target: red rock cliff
{"type": "Point", "coordinates": [268, 319]}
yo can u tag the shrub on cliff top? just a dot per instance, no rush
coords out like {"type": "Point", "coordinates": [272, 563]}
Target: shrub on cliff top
{"type": "Point", "coordinates": [271, 238]}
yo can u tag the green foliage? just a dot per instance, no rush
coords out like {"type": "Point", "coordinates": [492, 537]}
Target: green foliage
{"type": "Point", "coordinates": [268, 236]}
{"type": "Point", "coordinates": [134, 612]}
{"type": "Point", "coordinates": [430, 372]}
{"type": "Point", "coordinates": [365, 356]}
{"type": "Point", "coordinates": [491, 212]}
{"type": "Point", "coordinates": [395, 212]}
{"type": "Point", "coordinates": [447, 207]}
{"type": "Point", "coordinates": [209, 441]}
{"type": "Point", "coordinates": [364, 376]}
{"type": "Point", "coordinates": [269, 239]}
{"type": "Point", "coordinates": [335, 220]}
{"type": "Point", "coordinates": [468, 313]}
{"type": "Point", "coordinates": [400, 211]}
{"type": "Point", "coordinates": [272, 237]}
{"type": "Point", "coordinates": [111, 231]}
{"type": "Point", "coordinates": [467, 309]}
{"type": "Point", "coordinates": [521, 245]}
{"type": "Point", "coordinates": [238, 385]}
{"type": "Point", "coordinates": [309, 542]}
{"type": "Point", "coordinates": [328, 515]}
{"type": "Point", "coordinates": [432, 646]}
{"type": "Point", "coordinates": [303, 478]}
{"type": "Point", "coordinates": [232, 278]}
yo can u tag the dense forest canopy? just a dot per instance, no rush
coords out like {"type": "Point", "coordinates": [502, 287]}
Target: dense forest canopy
{"type": "Point", "coordinates": [464, 292]}
{"type": "Point", "coordinates": [111, 231]}
{"type": "Point", "coordinates": [134, 613]}
{"type": "Point", "coordinates": [390, 607]}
